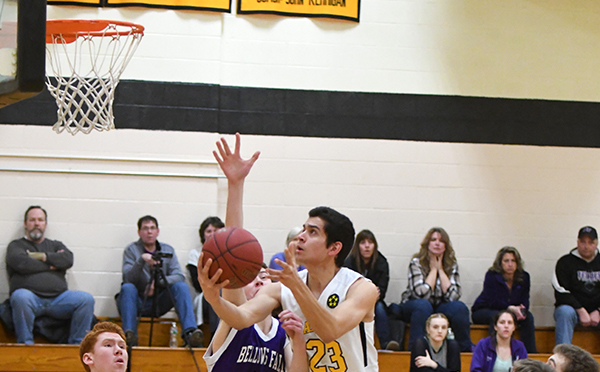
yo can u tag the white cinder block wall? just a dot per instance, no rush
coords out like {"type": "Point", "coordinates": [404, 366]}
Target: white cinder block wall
{"type": "Point", "coordinates": [485, 196]}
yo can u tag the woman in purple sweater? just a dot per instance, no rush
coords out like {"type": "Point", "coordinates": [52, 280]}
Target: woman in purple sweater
{"type": "Point", "coordinates": [499, 351]}
{"type": "Point", "coordinates": [506, 287]}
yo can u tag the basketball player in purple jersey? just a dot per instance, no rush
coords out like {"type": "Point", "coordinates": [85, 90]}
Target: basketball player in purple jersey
{"type": "Point", "coordinates": [261, 347]}
{"type": "Point", "coordinates": [335, 304]}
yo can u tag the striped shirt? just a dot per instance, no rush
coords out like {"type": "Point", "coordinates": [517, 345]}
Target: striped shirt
{"type": "Point", "coordinates": [418, 288]}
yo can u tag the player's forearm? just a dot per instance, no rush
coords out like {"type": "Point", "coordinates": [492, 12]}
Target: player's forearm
{"type": "Point", "coordinates": [235, 296]}
{"type": "Point", "coordinates": [320, 320]}
{"type": "Point", "coordinates": [235, 196]}
{"type": "Point", "coordinates": [231, 314]}
{"type": "Point", "coordinates": [299, 358]}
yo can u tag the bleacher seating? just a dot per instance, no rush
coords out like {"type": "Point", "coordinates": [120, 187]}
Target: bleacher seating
{"type": "Point", "coordinates": [160, 358]}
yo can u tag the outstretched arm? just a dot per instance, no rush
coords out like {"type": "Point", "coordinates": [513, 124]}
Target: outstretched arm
{"type": "Point", "coordinates": [236, 169]}
{"type": "Point", "coordinates": [358, 306]}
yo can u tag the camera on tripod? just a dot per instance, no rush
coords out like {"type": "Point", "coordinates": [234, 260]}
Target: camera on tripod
{"type": "Point", "coordinates": [158, 255]}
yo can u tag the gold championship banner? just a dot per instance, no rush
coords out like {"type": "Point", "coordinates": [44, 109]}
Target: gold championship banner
{"type": "Point", "coordinates": [344, 9]}
{"type": "Point", "coordinates": [213, 5]}
{"type": "Point", "coordinates": [78, 2]}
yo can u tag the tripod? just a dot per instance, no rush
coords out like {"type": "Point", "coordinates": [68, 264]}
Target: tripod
{"type": "Point", "coordinates": [157, 276]}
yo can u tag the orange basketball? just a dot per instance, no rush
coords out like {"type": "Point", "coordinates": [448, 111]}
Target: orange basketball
{"type": "Point", "coordinates": [237, 252]}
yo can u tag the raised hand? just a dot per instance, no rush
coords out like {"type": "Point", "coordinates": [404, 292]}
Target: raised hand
{"type": "Point", "coordinates": [289, 272]}
{"type": "Point", "coordinates": [235, 168]}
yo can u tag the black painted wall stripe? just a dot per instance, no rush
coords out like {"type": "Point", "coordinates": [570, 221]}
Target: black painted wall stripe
{"type": "Point", "coordinates": [286, 112]}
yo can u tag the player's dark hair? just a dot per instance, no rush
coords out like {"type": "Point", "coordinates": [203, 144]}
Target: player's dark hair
{"type": "Point", "coordinates": [35, 207]}
{"type": "Point", "coordinates": [212, 220]}
{"type": "Point", "coordinates": [338, 228]}
{"type": "Point", "coordinates": [576, 359]}
{"type": "Point", "coordinates": [531, 365]}
{"type": "Point", "coordinates": [146, 218]}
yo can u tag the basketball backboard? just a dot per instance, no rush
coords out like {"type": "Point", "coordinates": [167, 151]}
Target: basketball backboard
{"type": "Point", "coordinates": [22, 49]}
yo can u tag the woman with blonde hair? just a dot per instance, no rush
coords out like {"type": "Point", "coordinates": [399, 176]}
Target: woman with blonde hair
{"type": "Point", "coordinates": [434, 286]}
{"type": "Point", "coordinates": [435, 352]}
{"type": "Point", "coordinates": [506, 287]}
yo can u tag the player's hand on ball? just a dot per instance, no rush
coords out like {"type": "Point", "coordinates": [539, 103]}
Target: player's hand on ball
{"type": "Point", "coordinates": [210, 288]}
{"type": "Point", "coordinates": [235, 168]}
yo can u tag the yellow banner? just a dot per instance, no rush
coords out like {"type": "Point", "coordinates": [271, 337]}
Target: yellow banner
{"type": "Point", "coordinates": [214, 5]}
{"type": "Point", "coordinates": [345, 9]}
{"type": "Point", "coordinates": [78, 2]}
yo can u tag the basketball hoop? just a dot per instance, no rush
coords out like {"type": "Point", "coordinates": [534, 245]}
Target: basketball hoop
{"type": "Point", "coordinates": [87, 58]}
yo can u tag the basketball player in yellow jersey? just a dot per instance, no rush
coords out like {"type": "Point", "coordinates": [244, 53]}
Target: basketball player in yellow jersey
{"type": "Point", "coordinates": [336, 304]}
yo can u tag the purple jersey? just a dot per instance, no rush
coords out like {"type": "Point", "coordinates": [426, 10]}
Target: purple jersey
{"type": "Point", "coordinates": [249, 350]}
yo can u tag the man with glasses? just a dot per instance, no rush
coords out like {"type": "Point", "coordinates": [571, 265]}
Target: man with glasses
{"type": "Point", "coordinates": [152, 276]}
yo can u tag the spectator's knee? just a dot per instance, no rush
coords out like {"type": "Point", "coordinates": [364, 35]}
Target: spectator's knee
{"type": "Point", "coordinates": [127, 288]}
{"type": "Point", "coordinates": [21, 298]}
{"type": "Point", "coordinates": [564, 311]}
{"type": "Point", "coordinates": [423, 305]}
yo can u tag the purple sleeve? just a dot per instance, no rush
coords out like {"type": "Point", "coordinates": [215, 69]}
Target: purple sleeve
{"type": "Point", "coordinates": [478, 358]}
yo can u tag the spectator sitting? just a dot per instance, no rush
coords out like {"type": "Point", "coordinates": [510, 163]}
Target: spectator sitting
{"type": "Point", "coordinates": [365, 259]}
{"type": "Point", "coordinates": [434, 285]}
{"type": "Point", "coordinates": [576, 287]}
{"type": "Point", "coordinates": [506, 287]}
{"type": "Point", "coordinates": [435, 352]}
{"type": "Point", "coordinates": [202, 309]}
{"type": "Point", "coordinates": [499, 351]}
{"type": "Point", "coordinates": [36, 268]}
{"type": "Point", "coordinates": [140, 284]}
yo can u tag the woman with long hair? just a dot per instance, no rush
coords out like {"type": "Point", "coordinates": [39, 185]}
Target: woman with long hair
{"type": "Point", "coordinates": [366, 259]}
{"type": "Point", "coordinates": [434, 286]}
{"type": "Point", "coordinates": [499, 351]}
{"type": "Point", "coordinates": [506, 287]}
{"type": "Point", "coordinates": [435, 352]}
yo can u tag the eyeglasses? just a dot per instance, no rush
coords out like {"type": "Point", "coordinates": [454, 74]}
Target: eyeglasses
{"type": "Point", "coordinates": [149, 228]}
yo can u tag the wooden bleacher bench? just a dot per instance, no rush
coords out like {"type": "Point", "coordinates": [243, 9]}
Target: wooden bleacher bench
{"type": "Point", "coordinates": [160, 332]}
{"type": "Point", "coordinates": [587, 338]}
{"type": "Point", "coordinates": [159, 358]}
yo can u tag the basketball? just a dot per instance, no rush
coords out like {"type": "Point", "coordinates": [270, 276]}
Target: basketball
{"type": "Point", "coordinates": [237, 252]}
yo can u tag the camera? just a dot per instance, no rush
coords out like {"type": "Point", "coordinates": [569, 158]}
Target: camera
{"type": "Point", "coordinates": [158, 256]}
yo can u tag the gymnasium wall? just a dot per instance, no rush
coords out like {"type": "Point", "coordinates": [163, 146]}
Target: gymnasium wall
{"type": "Point", "coordinates": [485, 195]}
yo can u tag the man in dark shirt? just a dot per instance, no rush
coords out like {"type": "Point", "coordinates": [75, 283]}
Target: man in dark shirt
{"type": "Point", "coordinates": [576, 285]}
{"type": "Point", "coordinates": [36, 267]}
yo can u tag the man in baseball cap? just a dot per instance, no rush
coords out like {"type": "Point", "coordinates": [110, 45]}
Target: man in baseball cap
{"type": "Point", "coordinates": [576, 285]}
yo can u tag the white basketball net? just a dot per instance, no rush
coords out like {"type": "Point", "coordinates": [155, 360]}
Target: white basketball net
{"type": "Point", "coordinates": [86, 73]}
